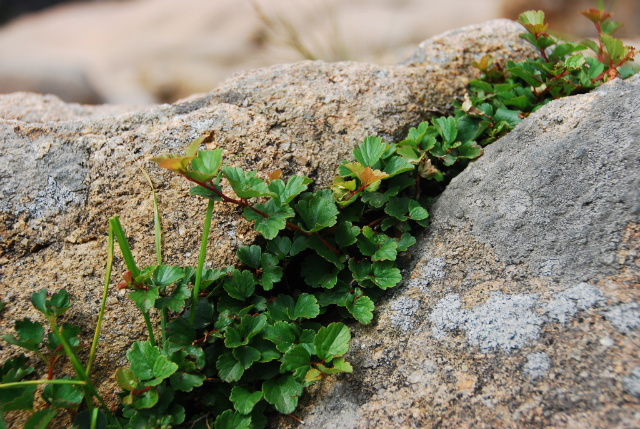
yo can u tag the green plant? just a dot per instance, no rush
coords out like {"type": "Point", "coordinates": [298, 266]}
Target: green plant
{"type": "Point", "coordinates": [253, 336]}
{"type": "Point", "coordinates": [238, 342]}
{"type": "Point", "coordinates": [505, 95]}
{"type": "Point", "coordinates": [18, 389]}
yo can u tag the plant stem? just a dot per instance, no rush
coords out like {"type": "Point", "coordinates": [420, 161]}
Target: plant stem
{"type": "Point", "coordinates": [89, 389]}
{"type": "Point", "coordinates": [201, 256]}
{"type": "Point", "coordinates": [38, 382]}
{"type": "Point", "coordinates": [107, 279]}
{"type": "Point", "coordinates": [147, 321]}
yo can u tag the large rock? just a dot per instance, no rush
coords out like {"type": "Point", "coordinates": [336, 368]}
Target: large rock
{"type": "Point", "coordinates": [521, 308]}
{"type": "Point", "coordinates": [65, 169]}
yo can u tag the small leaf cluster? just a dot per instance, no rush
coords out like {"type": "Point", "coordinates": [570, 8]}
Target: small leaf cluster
{"type": "Point", "coordinates": [59, 393]}
{"type": "Point", "coordinates": [505, 95]}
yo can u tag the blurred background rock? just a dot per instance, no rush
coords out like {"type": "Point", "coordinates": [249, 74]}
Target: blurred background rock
{"type": "Point", "coordinates": [150, 51]}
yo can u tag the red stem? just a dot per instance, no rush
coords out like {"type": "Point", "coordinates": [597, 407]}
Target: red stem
{"type": "Point", "coordinates": [244, 203]}
{"type": "Point", "coordinates": [135, 392]}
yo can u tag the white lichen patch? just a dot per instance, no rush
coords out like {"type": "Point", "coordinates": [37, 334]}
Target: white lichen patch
{"type": "Point", "coordinates": [567, 303]}
{"type": "Point", "coordinates": [404, 309]}
{"type": "Point", "coordinates": [511, 321]}
{"type": "Point", "coordinates": [623, 317]}
{"type": "Point", "coordinates": [537, 366]}
{"type": "Point", "coordinates": [504, 321]}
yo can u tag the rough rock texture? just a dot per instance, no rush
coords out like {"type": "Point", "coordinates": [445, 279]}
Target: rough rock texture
{"type": "Point", "coordinates": [65, 169]}
{"type": "Point", "coordinates": [521, 309]}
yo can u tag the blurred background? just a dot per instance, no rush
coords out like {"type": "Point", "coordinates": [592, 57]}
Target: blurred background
{"type": "Point", "coordinates": [158, 51]}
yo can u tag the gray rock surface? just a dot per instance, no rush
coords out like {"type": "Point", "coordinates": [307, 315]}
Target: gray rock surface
{"type": "Point", "coordinates": [520, 309]}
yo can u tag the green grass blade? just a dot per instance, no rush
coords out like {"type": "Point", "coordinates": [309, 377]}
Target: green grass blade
{"type": "Point", "coordinates": [156, 219]}
{"type": "Point", "coordinates": [201, 256]}
{"type": "Point", "coordinates": [157, 227]}
{"type": "Point", "coordinates": [123, 243]}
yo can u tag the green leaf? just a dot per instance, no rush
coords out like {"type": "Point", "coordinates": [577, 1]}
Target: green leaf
{"type": "Point", "coordinates": [149, 364]}
{"type": "Point", "coordinates": [469, 150]}
{"type": "Point", "coordinates": [251, 325]}
{"type": "Point", "coordinates": [267, 349]}
{"type": "Point", "coordinates": [319, 246]}
{"type": "Point", "coordinates": [246, 184]}
{"type": "Point", "coordinates": [397, 165]}
{"type": "Point", "coordinates": [145, 299]}
{"type": "Point", "coordinates": [296, 360]}
{"type": "Point", "coordinates": [240, 285]}
{"type": "Point", "coordinates": [370, 151]}
{"type": "Point", "coordinates": [614, 47]}
{"type": "Point", "coordinates": [317, 212]}
{"type": "Point", "coordinates": [271, 272]}
{"type": "Point", "coordinates": [294, 187]}
{"type": "Point", "coordinates": [361, 271]}
{"type": "Point", "coordinates": [204, 313]}
{"type": "Point", "coordinates": [164, 275]}
{"type": "Point", "coordinates": [229, 369]}
{"type": "Point", "coordinates": [283, 393]}
{"type": "Point", "coordinates": [29, 335]}
{"type": "Point", "coordinates": [176, 300]}
{"type": "Point", "coordinates": [146, 399]}
{"type": "Point", "coordinates": [246, 356]}
{"type": "Point", "coordinates": [84, 420]}
{"type": "Point", "coordinates": [250, 255]}
{"type": "Point", "coordinates": [16, 398]}
{"type": "Point", "coordinates": [70, 333]}
{"type": "Point", "coordinates": [378, 246]}
{"type": "Point", "coordinates": [207, 163]}
{"type": "Point", "coordinates": [317, 272]}
{"type": "Point", "coordinates": [346, 233]}
{"type": "Point", "coordinates": [406, 241]}
{"type": "Point", "coordinates": [243, 399]}
{"type": "Point", "coordinates": [186, 382]}
{"type": "Point", "coordinates": [54, 307]}
{"type": "Point", "coordinates": [201, 191]}
{"type": "Point", "coordinates": [332, 341]}
{"type": "Point", "coordinates": [306, 307]}
{"type": "Point", "coordinates": [127, 379]}
{"type": "Point", "coordinates": [40, 419]}
{"type": "Point", "coordinates": [339, 365]}
{"type": "Point", "coordinates": [361, 308]}
{"type": "Point", "coordinates": [533, 21]}
{"type": "Point", "coordinates": [312, 376]}
{"type": "Point", "coordinates": [509, 116]}
{"type": "Point", "coordinates": [232, 420]}
{"type": "Point", "coordinates": [298, 245]}
{"type": "Point", "coordinates": [282, 334]}
{"type": "Point", "coordinates": [281, 307]}
{"type": "Point", "coordinates": [279, 246]}
{"type": "Point", "coordinates": [274, 223]}
{"type": "Point", "coordinates": [39, 299]}
{"type": "Point", "coordinates": [446, 128]}
{"type": "Point", "coordinates": [63, 395]}
{"type": "Point", "coordinates": [385, 274]}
